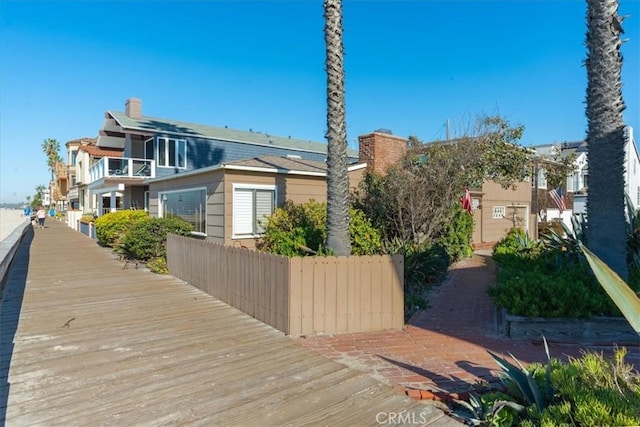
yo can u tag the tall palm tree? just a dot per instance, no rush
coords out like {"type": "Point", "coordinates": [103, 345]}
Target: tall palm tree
{"type": "Point", "coordinates": [605, 135]}
{"type": "Point", "coordinates": [51, 149]}
{"type": "Point", "coordinates": [338, 239]}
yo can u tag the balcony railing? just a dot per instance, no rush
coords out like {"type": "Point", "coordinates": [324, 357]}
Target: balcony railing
{"type": "Point", "coordinates": [122, 167]}
{"type": "Point", "coordinates": [61, 170]}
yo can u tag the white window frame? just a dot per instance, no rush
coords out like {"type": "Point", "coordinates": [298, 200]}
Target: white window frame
{"type": "Point", "coordinates": [156, 151]}
{"type": "Point", "coordinates": [498, 212]}
{"type": "Point", "coordinates": [258, 187]}
{"type": "Point", "coordinates": [542, 179]}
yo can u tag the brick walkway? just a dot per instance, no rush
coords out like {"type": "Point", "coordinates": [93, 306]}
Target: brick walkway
{"type": "Point", "coordinates": [444, 348]}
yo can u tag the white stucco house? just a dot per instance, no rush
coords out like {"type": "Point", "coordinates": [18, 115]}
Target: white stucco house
{"type": "Point", "coordinates": [631, 174]}
{"type": "Point", "coordinates": [577, 181]}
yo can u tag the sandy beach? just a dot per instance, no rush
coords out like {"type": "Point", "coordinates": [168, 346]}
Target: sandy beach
{"type": "Point", "coordinates": [9, 220]}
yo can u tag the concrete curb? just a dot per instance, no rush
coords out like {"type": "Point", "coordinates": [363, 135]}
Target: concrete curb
{"type": "Point", "coordinates": [8, 248]}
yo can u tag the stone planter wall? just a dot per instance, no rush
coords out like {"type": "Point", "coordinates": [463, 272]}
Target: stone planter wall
{"type": "Point", "coordinates": [595, 331]}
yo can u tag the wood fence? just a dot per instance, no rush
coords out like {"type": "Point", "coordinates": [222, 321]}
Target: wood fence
{"type": "Point", "coordinates": [298, 296]}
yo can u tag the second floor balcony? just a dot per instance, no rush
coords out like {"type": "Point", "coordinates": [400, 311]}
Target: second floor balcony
{"type": "Point", "coordinates": [122, 168]}
{"type": "Point", "coordinates": [61, 170]}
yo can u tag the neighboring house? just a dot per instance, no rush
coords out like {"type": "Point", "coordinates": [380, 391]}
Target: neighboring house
{"type": "Point", "coordinates": [160, 148]}
{"type": "Point", "coordinates": [88, 155]}
{"type": "Point", "coordinates": [577, 180]}
{"type": "Point", "coordinates": [495, 209]}
{"type": "Point", "coordinates": [227, 202]}
{"type": "Point", "coordinates": [64, 185]}
{"type": "Point", "coordinates": [60, 186]}
{"type": "Point", "coordinates": [542, 204]}
{"type": "Point", "coordinates": [74, 163]}
{"type": "Point", "coordinates": [632, 169]}
{"type": "Point", "coordinates": [224, 181]}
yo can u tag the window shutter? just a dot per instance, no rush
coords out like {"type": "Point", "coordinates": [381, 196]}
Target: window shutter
{"type": "Point", "coordinates": [264, 207]}
{"type": "Point", "coordinates": [242, 212]}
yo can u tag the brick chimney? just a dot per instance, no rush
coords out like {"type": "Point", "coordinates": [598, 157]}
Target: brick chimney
{"type": "Point", "coordinates": [133, 108]}
{"type": "Point", "coordinates": [381, 149]}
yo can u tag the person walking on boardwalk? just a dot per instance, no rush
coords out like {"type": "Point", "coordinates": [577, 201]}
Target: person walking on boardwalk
{"type": "Point", "coordinates": [41, 214]}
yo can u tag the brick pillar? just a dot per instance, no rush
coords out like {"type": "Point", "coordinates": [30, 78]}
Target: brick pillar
{"type": "Point", "coordinates": [380, 150]}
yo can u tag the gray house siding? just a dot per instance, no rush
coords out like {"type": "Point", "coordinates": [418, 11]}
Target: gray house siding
{"type": "Point", "coordinates": [215, 210]}
{"type": "Point", "coordinates": [203, 153]}
{"type": "Point", "coordinates": [214, 183]}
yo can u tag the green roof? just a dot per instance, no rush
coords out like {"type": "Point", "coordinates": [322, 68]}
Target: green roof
{"type": "Point", "coordinates": [174, 127]}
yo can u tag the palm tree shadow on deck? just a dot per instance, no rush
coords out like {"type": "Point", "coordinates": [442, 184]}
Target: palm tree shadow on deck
{"type": "Point", "coordinates": [10, 307]}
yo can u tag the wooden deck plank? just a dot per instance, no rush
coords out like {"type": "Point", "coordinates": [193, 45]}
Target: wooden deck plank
{"type": "Point", "coordinates": [145, 349]}
{"type": "Point", "coordinates": [209, 394]}
{"type": "Point", "coordinates": [165, 386]}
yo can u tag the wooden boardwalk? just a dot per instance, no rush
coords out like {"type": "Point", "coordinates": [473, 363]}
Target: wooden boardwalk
{"type": "Point", "coordinates": [84, 342]}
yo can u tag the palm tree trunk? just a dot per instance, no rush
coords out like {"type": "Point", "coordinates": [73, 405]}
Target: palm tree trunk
{"type": "Point", "coordinates": [338, 239]}
{"type": "Point", "coordinates": [606, 234]}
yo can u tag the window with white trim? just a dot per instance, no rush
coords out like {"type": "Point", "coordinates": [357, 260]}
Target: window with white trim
{"type": "Point", "coordinates": [252, 204]}
{"type": "Point", "coordinates": [498, 212]}
{"type": "Point", "coordinates": [167, 152]}
{"type": "Point", "coordinates": [542, 179]}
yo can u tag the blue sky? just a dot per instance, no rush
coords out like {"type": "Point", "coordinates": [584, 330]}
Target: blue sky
{"type": "Point", "coordinates": [410, 66]}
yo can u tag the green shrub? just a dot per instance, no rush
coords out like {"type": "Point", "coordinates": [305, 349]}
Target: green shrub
{"type": "Point", "coordinates": [592, 391]}
{"type": "Point", "coordinates": [455, 236]}
{"type": "Point", "coordinates": [88, 218]}
{"type": "Point", "coordinates": [148, 239]}
{"type": "Point", "coordinates": [365, 239]}
{"type": "Point", "coordinates": [111, 227]}
{"type": "Point", "coordinates": [299, 230]}
{"type": "Point", "coordinates": [550, 278]}
{"type": "Point", "coordinates": [517, 242]}
{"type": "Point", "coordinates": [158, 265]}
{"type": "Point", "coordinates": [588, 391]}
{"type": "Point", "coordinates": [531, 288]}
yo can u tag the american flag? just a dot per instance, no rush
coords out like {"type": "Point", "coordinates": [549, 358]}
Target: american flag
{"type": "Point", "coordinates": [558, 198]}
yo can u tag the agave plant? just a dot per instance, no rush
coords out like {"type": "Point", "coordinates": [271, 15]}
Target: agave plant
{"type": "Point", "coordinates": [527, 385]}
{"type": "Point", "coordinates": [564, 249]}
{"type": "Point", "coordinates": [622, 295]}
{"type": "Point", "coordinates": [494, 409]}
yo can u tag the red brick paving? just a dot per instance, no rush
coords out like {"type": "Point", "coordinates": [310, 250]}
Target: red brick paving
{"type": "Point", "coordinates": [445, 346]}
